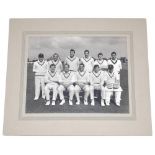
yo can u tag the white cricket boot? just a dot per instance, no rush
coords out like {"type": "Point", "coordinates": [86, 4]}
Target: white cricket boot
{"type": "Point", "coordinates": [36, 98]}
{"type": "Point", "coordinates": [92, 102]}
{"type": "Point", "coordinates": [70, 102]}
{"type": "Point", "coordinates": [53, 102]}
{"type": "Point", "coordinates": [85, 102]}
{"type": "Point", "coordinates": [43, 96]}
{"type": "Point", "coordinates": [78, 102]}
{"type": "Point", "coordinates": [47, 102]}
{"type": "Point", "coordinates": [107, 103]}
{"type": "Point", "coordinates": [118, 103]}
{"type": "Point", "coordinates": [62, 102]}
{"type": "Point", "coordinates": [102, 103]}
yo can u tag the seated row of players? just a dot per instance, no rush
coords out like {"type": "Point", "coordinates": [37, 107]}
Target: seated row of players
{"type": "Point", "coordinates": [84, 74]}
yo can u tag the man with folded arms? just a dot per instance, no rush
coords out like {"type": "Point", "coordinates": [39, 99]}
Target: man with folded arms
{"type": "Point", "coordinates": [97, 83]}
{"type": "Point", "coordinates": [112, 85]}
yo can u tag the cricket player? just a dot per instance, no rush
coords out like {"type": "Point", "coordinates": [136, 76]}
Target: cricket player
{"type": "Point", "coordinates": [103, 64]}
{"type": "Point", "coordinates": [40, 68]}
{"type": "Point", "coordinates": [52, 80]}
{"type": "Point", "coordinates": [73, 61]}
{"type": "Point", "coordinates": [56, 60]}
{"type": "Point", "coordinates": [97, 83]}
{"type": "Point", "coordinates": [88, 61]}
{"type": "Point", "coordinates": [82, 83]}
{"type": "Point", "coordinates": [116, 63]}
{"type": "Point", "coordinates": [112, 85]}
{"type": "Point", "coordinates": [66, 80]}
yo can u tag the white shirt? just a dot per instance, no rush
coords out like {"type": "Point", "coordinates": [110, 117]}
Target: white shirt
{"type": "Point", "coordinates": [103, 64]}
{"type": "Point", "coordinates": [111, 78]}
{"type": "Point", "coordinates": [82, 77]}
{"type": "Point", "coordinates": [40, 68]}
{"type": "Point", "coordinates": [88, 62]}
{"type": "Point", "coordinates": [97, 78]}
{"type": "Point", "coordinates": [67, 78]}
{"type": "Point", "coordinates": [51, 77]}
{"type": "Point", "coordinates": [116, 63]}
{"type": "Point", "coordinates": [73, 63]}
{"type": "Point", "coordinates": [58, 65]}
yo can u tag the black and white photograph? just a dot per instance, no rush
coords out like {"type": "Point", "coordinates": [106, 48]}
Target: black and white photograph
{"type": "Point", "coordinates": [77, 77]}
{"type": "Point", "coordinates": [77, 74]}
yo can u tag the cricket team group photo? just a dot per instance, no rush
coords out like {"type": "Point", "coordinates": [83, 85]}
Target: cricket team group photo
{"type": "Point", "coordinates": [75, 84]}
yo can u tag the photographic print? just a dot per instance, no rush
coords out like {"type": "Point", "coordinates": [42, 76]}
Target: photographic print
{"type": "Point", "coordinates": [77, 77]}
{"type": "Point", "coordinates": [77, 74]}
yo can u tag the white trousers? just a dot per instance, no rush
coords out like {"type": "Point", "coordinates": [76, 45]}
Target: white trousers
{"type": "Point", "coordinates": [109, 93]}
{"type": "Point", "coordinates": [39, 86]}
{"type": "Point", "coordinates": [71, 90]}
{"type": "Point", "coordinates": [86, 89]}
{"type": "Point", "coordinates": [97, 87]}
{"type": "Point", "coordinates": [51, 87]}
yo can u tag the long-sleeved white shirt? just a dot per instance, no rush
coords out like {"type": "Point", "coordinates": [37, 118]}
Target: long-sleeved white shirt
{"type": "Point", "coordinates": [103, 64]}
{"type": "Point", "coordinates": [73, 63]}
{"type": "Point", "coordinates": [40, 68]}
{"type": "Point", "coordinates": [88, 62]}
{"type": "Point", "coordinates": [67, 78]}
{"type": "Point", "coordinates": [111, 79]}
{"type": "Point", "coordinates": [116, 63]}
{"type": "Point", "coordinates": [58, 65]}
{"type": "Point", "coordinates": [51, 77]}
{"type": "Point", "coordinates": [82, 77]}
{"type": "Point", "coordinates": [97, 78]}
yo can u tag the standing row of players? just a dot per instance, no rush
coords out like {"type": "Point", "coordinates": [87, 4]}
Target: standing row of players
{"type": "Point", "coordinates": [78, 74]}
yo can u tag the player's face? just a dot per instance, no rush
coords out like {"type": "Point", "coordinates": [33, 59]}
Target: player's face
{"type": "Point", "coordinates": [66, 68]}
{"type": "Point", "coordinates": [111, 70]}
{"type": "Point", "coordinates": [52, 68]}
{"type": "Point", "coordinates": [41, 59]}
{"type": "Point", "coordinates": [81, 68]}
{"type": "Point", "coordinates": [96, 69]}
{"type": "Point", "coordinates": [113, 56]}
{"type": "Point", "coordinates": [55, 57]}
{"type": "Point", "coordinates": [72, 53]}
{"type": "Point", "coordinates": [100, 57]}
{"type": "Point", "coordinates": [86, 54]}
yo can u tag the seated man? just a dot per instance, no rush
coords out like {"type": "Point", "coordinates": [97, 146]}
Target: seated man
{"type": "Point", "coordinates": [67, 79]}
{"type": "Point", "coordinates": [96, 83]}
{"type": "Point", "coordinates": [82, 83]}
{"type": "Point", "coordinates": [112, 85]}
{"type": "Point", "coordinates": [51, 78]}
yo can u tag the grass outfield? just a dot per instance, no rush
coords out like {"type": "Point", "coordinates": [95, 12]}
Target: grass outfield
{"type": "Point", "coordinates": [40, 107]}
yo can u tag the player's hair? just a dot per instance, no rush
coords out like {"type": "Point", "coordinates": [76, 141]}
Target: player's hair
{"type": "Point", "coordinates": [52, 65]}
{"type": "Point", "coordinates": [66, 64]}
{"type": "Point", "coordinates": [86, 51]}
{"type": "Point", "coordinates": [72, 50]}
{"type": "Point", "coordinates": [100, 54]}
{"type": "Point", "coordinates": [95, 66]}
{"type": "Point", "coordinates": [40, 55]}
{"type": "Point", "coordinates": [56, 54]}
{"type": "Point", "coordinates": [110, 67]}
{"type": "Point", "coordinates": [82, 64]}
{"type": "Point", "coordinates": [113, 53]}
